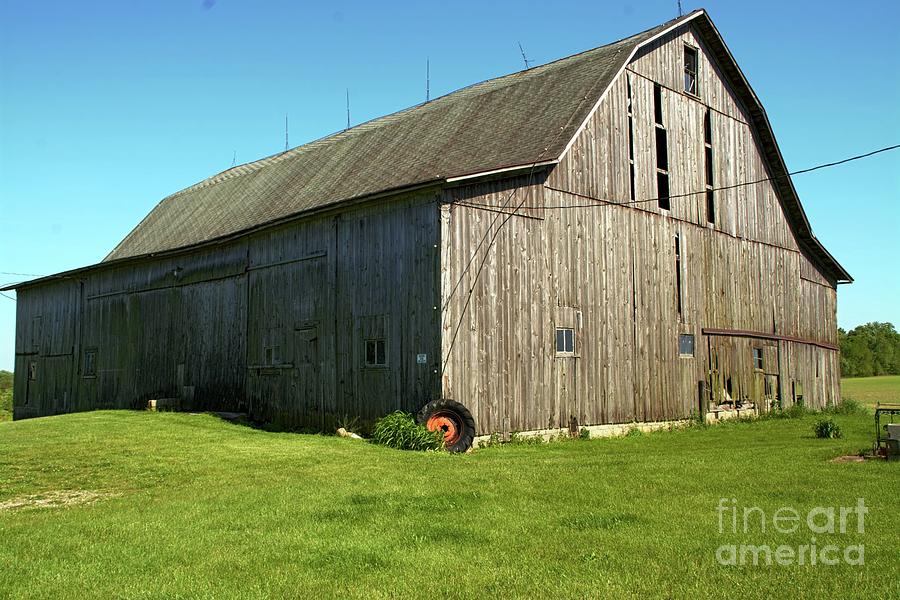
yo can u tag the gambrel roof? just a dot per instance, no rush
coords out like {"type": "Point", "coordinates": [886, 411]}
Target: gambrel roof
{"type": "Point", "coordinates": [517, 121]}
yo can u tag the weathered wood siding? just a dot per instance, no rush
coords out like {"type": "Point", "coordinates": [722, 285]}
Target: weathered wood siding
{"type": "Point", "coordinates": [273, 323]}
{"type": "Point", "coordinates": [608, 270]}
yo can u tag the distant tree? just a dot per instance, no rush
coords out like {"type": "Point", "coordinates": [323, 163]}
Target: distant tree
{"type": "Point", "coordinates": [6, 381]}
{"type": "Point", "coordinates": [870, 349]}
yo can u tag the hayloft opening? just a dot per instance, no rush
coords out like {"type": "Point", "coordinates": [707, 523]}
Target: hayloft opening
{"type": "Point", "coordinates": [662, 152]}
{"type": "Point", "coordinates": [690, 70]}
{"type": "Point", "coordinates": [708, 156]}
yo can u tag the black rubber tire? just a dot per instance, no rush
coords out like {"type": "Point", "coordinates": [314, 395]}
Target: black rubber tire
{"type": "Point", "coordinates": [461, 415]}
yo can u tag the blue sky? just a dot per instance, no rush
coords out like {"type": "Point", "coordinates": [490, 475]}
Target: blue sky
{"type": "Point", "coordinates": [107, 107]}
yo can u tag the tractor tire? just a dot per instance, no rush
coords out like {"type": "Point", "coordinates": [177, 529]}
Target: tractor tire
{"type": "Point", "coordinates": [454, 419]}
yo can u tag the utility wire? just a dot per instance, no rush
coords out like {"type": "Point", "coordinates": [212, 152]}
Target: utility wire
{"type": "Point", "coordinates": [498, 210]}
{"type": "Point", "coordinates": [8, 297]}
{"type": "Point", "coordinates": [462, 275]}
{"type": "Point", "coordinates": [607, 201]}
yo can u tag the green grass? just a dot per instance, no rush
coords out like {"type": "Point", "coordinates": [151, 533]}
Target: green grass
{"type": "Point", "coordinates": [6, 405]}
{"type": "Point", "coordinates": [870, 390]}
{"type": "Point", "coordinates": [200, 508]}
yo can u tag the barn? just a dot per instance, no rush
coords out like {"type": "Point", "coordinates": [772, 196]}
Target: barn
{"type": "Point", "coordinates": [609, 238]}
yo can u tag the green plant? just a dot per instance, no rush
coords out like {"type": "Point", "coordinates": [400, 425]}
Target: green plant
{"type": "Point", "coordinates": [584, 434]}
{"type": "Point", "coordinates": [848, 407]}
{"type": "Point", "coordinates": [526, 440]}
{"type": "Point", "coordinates": [349, 423]}
{"type": "Point", "coordinates": [827, 429]}
{"type": "Point", "coordinates": [634, 432]}
{"type": "Point", "coordinates": [399, 430]}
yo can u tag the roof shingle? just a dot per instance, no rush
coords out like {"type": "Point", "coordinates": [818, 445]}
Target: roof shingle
{"type": "Point", "coordinates": [518, 119]}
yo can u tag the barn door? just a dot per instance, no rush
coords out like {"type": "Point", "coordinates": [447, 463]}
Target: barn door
{"type": "Point", "coordinates": [565, 390]}
{"type": "Point", "coordinates": [566, 349]}
{"type": "Point", "coordinates": [307, 383]}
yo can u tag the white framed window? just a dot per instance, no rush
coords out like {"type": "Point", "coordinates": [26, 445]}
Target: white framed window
{"type": "Point", "coordinates": [565, 341]}
{"type": "Point", "coordinates": [272, 355]}
{"type": "Point", "coordinates": [376, 352]}
{"type": "Point", "coordinates": [686, 345]}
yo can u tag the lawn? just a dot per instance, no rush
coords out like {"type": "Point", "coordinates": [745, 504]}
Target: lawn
{"type": "Point", "coordinates": [870, 390]}
{"type": "Point", "coordinates": [164, 505]}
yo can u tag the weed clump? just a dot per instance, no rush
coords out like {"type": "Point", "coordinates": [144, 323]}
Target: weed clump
{"type": "Point", "coordinates": [848, 407]}
{"type": "Point", "coordinates": [827, 429]}
{"type": "Point", "coordinates": [399, 430]}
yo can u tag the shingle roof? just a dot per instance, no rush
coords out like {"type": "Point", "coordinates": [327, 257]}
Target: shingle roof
{"type": "Point", "coordinates": [517, 119]}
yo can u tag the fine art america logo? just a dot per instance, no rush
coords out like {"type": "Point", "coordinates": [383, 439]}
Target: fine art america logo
{"type": "Point", "coordinates": [821, 520]}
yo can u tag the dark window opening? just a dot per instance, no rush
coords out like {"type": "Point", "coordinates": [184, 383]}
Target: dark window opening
{"type": "Point", "coordinates": [690, 70]}
{"type": "Point", "coordinates": [630, 138]}
{"type": "Point", "coordinates": [376, 353]}
{"type": "Point", "coordinates": [565, 340]}
{"type": "Point", "coordinates": [657, 104]}
{"type": "Point", "coordinates": [707, 128]}
{"type": "Point", "coordinates": [662, 152]}
{"type": "Point", "coordinates": [708, 155]}
{"type": "Point", "coordinates": [89, 369]}
{"type": "Point", "coordinates": [686, 344]}
{"type": "Point", "coordinates": [628, 91]}
{"type": "Point", "coordinates": [678, 274]}
{"type": "Point", "coordinates": [662, 190]}
{"type": "Point", "coordinates": [32, 371]}
{"type": "Point", "coordinates": [758, 358]}
{"type": "Point", "coordinates": [632, 181]}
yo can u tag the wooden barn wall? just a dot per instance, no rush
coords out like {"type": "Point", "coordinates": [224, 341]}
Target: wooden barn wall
{"type": "Point", "coordinates": [366, 274]}
{"type": "Point", "coordinates": [46, 334]}
{"type": "Point", "coordinates": [609, 272]}
{"type": "Point", "coordinates": [272, 323]}
{"type": "Point", "coordinates": [168, 328]}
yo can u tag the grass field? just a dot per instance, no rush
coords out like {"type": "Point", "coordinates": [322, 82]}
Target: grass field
{"type": "Point", "coordinates": [870, 390]}
{"type": "Point", "coordinates": [171, 505]}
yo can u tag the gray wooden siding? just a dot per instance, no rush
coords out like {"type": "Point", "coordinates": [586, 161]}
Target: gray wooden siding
{"type": "Point", "coordinates": [608, 271]}
{"type": "Point", "coordinates": [197, 326]}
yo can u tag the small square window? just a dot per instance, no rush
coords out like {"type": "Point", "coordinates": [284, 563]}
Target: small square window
{"type": "Point", "coordinates": [376, 353]}
{"type": "Point", "coordinates": [89, 368]}
{"type": "Point", "coordinates": [32, 371]}
{"type": "Point", "coordinates": [272, 356]}
{"type": "Point", "coordinates": [565, 340]}
{"type": "Point", "coordinates": [758, 359]}
{"type": "Point", "coordinates": [686, 344]}
{"type": "Point", "coordinates": [690, 70]}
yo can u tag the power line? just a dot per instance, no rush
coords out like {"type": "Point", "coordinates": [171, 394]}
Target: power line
{"type": "Point", "coordinates": [21, 274]}
{"type": "Point", "coordinates": [607, 201]}
{"type": "Point", "coordinates": [509, 198]}
{"type": "Point", "coordinates": [8, 297]}
{"type": "Point", "coordinates": [499, 210]}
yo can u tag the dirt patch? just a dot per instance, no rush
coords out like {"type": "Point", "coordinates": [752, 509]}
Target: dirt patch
{"type": "Point", "coordinates": [849, 458]}
{"type": "Point", "coordinates": [55, 499]}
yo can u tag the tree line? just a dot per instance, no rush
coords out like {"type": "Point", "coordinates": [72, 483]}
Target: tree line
{"type": "Point", "coordinates": [870, 349]}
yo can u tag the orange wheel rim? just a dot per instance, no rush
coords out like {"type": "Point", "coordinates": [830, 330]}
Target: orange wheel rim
{"type": "Point", "coordinates": [446, 422]}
